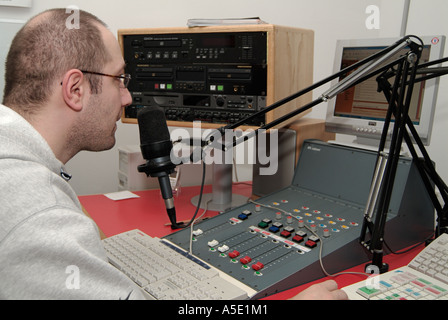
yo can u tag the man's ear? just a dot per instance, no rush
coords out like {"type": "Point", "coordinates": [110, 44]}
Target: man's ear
{"type": "Point", "coordinates": [73, 89]}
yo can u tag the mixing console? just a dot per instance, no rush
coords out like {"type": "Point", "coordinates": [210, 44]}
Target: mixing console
{"type": "Point", "coordinates": [312, 227]}
{"type": "Point", "coordinates": [260, 244]}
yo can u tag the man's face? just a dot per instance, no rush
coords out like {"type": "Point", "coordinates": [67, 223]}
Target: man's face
{"type": "Point", "coordinates": [104, 109]}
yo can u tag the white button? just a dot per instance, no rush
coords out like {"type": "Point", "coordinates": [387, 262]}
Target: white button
{"type": "Point", "coordinates": [213, 243]}
{"type": "Point", "coordinates": [197, 232]}
{"type": "Point", "coordinates": [223, 248]}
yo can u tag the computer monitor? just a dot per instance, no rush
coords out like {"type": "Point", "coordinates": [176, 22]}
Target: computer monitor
{"type": "Point", "coordinates": [360, 111]}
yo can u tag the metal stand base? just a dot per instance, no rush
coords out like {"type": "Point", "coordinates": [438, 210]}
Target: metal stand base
{"type": "Point", "coordinates": [221, 197]}
{"type": "Point", "coordinates": [237, 200]}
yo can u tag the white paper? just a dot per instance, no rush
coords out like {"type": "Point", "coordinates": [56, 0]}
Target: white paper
{"type": "Point", "coordinates": [121, 195]}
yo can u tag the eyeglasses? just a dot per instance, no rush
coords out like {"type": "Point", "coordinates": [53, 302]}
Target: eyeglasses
{"type": "Point", "coordinates": [124, 78]}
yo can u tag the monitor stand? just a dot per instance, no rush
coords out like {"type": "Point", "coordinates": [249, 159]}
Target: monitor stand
{"type": "Point", "coordinates": [221, 198]}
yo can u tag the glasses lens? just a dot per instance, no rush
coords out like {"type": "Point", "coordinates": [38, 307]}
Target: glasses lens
{"type": "Point", "coordinates": [126, 78]}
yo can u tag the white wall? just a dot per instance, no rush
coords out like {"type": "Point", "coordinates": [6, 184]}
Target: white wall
{"type": "Point", "coordinates": [330, 19]}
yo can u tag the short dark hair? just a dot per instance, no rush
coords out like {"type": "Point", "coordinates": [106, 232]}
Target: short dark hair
{"type": "Point", "coordinates": [44, 49]}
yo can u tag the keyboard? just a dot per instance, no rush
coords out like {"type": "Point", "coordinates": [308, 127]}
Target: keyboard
{"type": "Point", "coordinates": [424, 278]}
{"type": "Point", "coordinates": [165, 272]}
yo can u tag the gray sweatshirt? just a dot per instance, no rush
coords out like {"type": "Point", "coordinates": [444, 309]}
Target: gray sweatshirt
{"type": "Point", "coordinates": [48, 248]}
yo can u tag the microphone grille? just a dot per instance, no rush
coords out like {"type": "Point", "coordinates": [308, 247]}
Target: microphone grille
{"type": "Point", "coordinates": [152, 125]}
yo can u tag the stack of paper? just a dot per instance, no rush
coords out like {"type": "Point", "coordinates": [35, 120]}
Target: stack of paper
{"type": "Point", "coordinates": [218, 22]}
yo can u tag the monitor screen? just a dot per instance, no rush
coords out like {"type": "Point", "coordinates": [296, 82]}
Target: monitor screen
{"type": "Point", "coordinates": [360, 111]}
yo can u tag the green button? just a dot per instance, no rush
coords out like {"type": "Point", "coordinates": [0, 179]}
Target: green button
{"type": "Point", "coordinates": [424, 281]}
{"type": "Point", "coordinates": [439, 288]}
{"type": "Point", "coordinates": [220, 88]}
{"type": "Point", "coordinates": [169, 86]}
{"type": "Point", "coordinates": [263, 224]}
{"type": "Point", "coordinates": [366, 292]}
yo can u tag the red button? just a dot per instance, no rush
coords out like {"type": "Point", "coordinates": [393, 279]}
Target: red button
{"type": "Point", "coordinates": [234, 254]}
{"type": "Point", "coordinates": [257, 266]}
{"type": "Point", "coordinates": [285, 234]}
{"type": "Point", "coordinates": [246, 260]}
{"type": "Point", "coordinates": [297, 239]}
{"type": "Point", "coordinates": [310, 244]}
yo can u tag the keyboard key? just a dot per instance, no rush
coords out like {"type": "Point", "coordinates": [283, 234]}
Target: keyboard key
{"type": "Point", "coordinates": [386, 284]}
{"type": "Point", "coordinates": [436, 293]}
{"type": "Point", "coordinates": [368, 293]}
{"type": "Point", "coordinates": [442, 277]}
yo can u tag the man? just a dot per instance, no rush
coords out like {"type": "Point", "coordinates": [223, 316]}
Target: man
{"type": "Point", "coordinates": [65, 90]}
{"type": "Point", "coordinates": [55, 111]}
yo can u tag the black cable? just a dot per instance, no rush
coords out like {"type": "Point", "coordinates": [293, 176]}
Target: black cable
{"type": "Point", "coordinates": [410, 248]}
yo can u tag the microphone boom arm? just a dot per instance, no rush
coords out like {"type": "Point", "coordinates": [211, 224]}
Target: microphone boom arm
{"type": "Point", "coordinates": [367, 65]}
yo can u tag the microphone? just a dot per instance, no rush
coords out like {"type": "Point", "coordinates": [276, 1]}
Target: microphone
{"type": "Point", "coordinates": [156, 145]}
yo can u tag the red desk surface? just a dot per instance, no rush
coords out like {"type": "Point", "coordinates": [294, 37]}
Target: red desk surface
{"type": "Point", "coordinates": [148, 214]}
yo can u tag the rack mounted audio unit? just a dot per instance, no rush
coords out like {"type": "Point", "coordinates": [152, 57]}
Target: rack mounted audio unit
{"type": "Point", "coordinates": [219, 74]}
